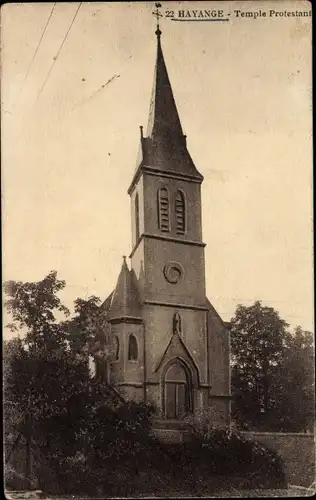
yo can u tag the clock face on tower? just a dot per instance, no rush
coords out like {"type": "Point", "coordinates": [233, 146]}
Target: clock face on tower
{"type": "Point", "coordinates": [173, 272]}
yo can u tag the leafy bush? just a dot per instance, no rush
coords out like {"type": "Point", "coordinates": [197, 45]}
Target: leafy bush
{"type": "Point", "coordinates": [123, 459]}
{"type": "Point", "coordinates": [219, 449]}
{"type": "Point", "coordinates": [228, 451]}
{"type": "Point", "coordinates": [114, 439]}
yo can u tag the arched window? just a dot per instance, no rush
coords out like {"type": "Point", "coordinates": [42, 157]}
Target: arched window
{"type": "Point", "coordinates": [132, 348]}
{"type": "Point", "coordinates": [180, 212]}
{"type": "Point", "coordinates": [116, 347]}
{"type": "Point", "coordinates": [137, 217]}
{"type": "Point", "coordinates": [163, 209]}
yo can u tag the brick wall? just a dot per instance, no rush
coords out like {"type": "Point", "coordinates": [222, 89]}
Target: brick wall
{"type": "Point", "coordinates": [297, 452]}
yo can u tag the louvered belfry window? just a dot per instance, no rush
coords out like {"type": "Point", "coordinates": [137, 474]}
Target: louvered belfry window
{"type": "Point", "coordinates": [163, 209]}
{"type": "Point", "coordinates": [180, 212]}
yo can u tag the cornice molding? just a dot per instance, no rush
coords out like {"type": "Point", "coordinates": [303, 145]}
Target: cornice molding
{"type": "Point", "coordinates": [174, 304]}
{"type": "Point", "coordinates": [174, 240]}
{"type": "Point", "coordinates": [147, 169]}
{"type": "Point", "coordinates": [126, 319]}
{"type": "Point", "coordinates": [166, 238]}
{"type": "Point", "coordinates": [151, 382]}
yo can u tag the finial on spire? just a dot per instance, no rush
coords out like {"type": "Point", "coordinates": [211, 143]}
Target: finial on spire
{"type": "Point", "coordinates": [157, 14]}
{"type": "Point", "coordinates": [124, 258]}
{"type": "Point", "coordinates": [141, 131]}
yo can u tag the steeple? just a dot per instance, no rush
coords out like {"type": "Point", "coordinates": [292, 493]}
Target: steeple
{"type": "Point", "coordinates": [164, 119]}
{"type": "Point", "coordinates": [164, 148]}
{"type": "Point", "coordinates": [125, 298]}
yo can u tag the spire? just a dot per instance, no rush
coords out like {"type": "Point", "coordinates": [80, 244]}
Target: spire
{"type": "Point", "coordinates": [163, 116]}
{"type": "Point", "coordinates": [125, 298]}
{"type": "Point", "coordinates": [164, 148]}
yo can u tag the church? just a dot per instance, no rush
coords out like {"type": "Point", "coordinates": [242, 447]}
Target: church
{"type": "Point", "coordinates": [170, 346]}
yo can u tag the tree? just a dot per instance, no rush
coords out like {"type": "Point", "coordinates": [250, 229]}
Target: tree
{"type": "Point", "coordinates": [46, 382]}
{"type": "Point", "coordinates": [86, 324]}
{"type": "Point", "coordinates": [272, 371]}
{"type": "Point", "coordinates": [33, 307]}
{"type": "Point", "coordinates": [88, 334]}
{"type": "Point", "coordinates": [12, 349]}
{"type": "Point", "coordinates": [77, 422]}
{"type": "Point", "coordinates": [257, 341]}
{"type": "Point", "coordinates": [294, 384]}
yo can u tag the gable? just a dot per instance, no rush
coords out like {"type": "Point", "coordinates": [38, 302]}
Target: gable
{"type": "Point", "coordinates": [176, 348]}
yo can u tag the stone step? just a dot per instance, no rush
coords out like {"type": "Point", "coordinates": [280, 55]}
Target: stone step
{"type": "Point", "coordinates": [170, 424]}
{"type": "Point", "coordinates": [171, 435]}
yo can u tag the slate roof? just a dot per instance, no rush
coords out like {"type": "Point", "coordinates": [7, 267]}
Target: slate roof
{"type": "Point", "coordinates": [125, 302]}
{"type": "Point", "coordinates": [164, 147]}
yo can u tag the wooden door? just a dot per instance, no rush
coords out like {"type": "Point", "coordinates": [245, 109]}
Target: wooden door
{"type": "Point", "coordinates": [177, 400]}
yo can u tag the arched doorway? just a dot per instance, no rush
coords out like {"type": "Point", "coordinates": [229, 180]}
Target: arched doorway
{"type": "Point", "coordinates": [177, 391]}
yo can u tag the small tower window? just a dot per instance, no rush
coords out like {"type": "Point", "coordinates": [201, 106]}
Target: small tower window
{"type": "Point", "coordinates": [137, 217]}
{"type": "Point", "coordinates": [180, 212]}
{"type": "Point", "coordinates": [116, 347]}
{"type": "Point", "coordinates": [132, 348]}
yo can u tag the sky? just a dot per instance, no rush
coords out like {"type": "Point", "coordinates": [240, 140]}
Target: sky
{"type": "Point", "coordinates": [69, 149]}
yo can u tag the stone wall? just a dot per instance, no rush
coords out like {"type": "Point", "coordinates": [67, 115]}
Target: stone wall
{"type": "Point", "coordinates": [297, 452]}
{"type": "Point", "coordinates": [15, 467]}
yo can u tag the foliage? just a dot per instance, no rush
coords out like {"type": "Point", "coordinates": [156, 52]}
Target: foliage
{"type": "Point", "coordinates": [117, 433]}
{"type": "Point", "coordinates": [266, 360]}
{"type": "Point", "coordinates": [33, 306]}
{"type": "Point", "coordinates": [41, 371]}
{"type": "Point", "coordinates": [115, 437]}
{"type": "Point", "coordinates": [75, 422]}
{"type": "Point", "coordinates": [147, 466]}
{"type": "Point", "coordinates": [87, 323]}
{"type": "Point", "coordinates": [11, 350]}
{"type": "Point", "coordinates": [90, 441]}
{"type": "Point", "coordinates": [294, 384]}
{"type": "Point", "coordinates": [88, 334]}
{"type": "Point", "coordinates": [54, 401]}
{"type": "Point", "coordinates": [203, 422]}
{"type": "Point", "coordinates": [48, 391]}
{"type": "Point", "coordinates": [218, 448]}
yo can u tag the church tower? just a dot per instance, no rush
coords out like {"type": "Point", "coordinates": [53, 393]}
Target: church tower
{"type": "Point", "coordinates": [172, 348]}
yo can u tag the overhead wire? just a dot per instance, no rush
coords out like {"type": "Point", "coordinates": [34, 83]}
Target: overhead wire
{"type": "Point", "coordinates": [38, 45]}
{"type": "Point", "coordinates": [59, 50]}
